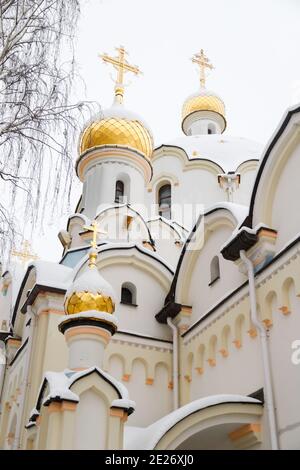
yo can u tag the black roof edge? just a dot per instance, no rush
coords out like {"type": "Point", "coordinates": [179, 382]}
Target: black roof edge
{"type": "Point", "coordinates": [244, 240]}
{"type": "Point", "coordinates": [20, 294]}
{"type": "Point", "coordinates": [249, 219]}
{"type": "Point", "coordinates": [170, 310]}
{"type": "Point", "coordinates": [171, 294]}
{"type": "Point", "coordinates": [36, 290]}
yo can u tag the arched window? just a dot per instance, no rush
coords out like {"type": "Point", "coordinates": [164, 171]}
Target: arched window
{"type": "Point", "coordinates": [214, 270]}
{"type": "Point", "coordinates": [211, 129]}
{"type": "Point", "coordinates": [128, 294]}
{"type": "Point", "coordinates": [164, 201]}
{"type": "Point", "coordinates": [119, 193]}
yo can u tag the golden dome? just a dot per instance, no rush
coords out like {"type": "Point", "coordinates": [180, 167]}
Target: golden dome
{"type": "Point", "coordinates": [204, 100]}
{"type": "Point", "coordinates": [118, 127]}
{"type": "Point", "coordinates": [84, 301]}
{"type": "Point", "coordinates": [90, 291]}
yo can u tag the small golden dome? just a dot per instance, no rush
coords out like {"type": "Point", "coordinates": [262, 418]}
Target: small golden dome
{"type": "Point", "coordinates": [84, 301]}
{"type": "Point", "coordinates": [90, 291]}
{"type": "Point", "coordinates": [118, 127]}
{"type": "Point", "coordinates": [204, 100]}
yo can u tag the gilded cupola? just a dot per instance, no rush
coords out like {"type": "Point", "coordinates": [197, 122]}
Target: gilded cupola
{"type": "Point", "coordinates": [203, 111]}
{"type": "Point", "coordinates": [117, 126]}
{"type": "Point", "coordinates": [90, 291]}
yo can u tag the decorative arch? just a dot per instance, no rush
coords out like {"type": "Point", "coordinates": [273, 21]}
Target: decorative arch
{"type": "Point", "coordinates": [114, 369]}
{"type": "Point", "coordinates": [212, 350]}
{"type": "Point", "coordinates": [267, 310]}
{"type": "Point", "coordinates": [286, 288]}
{"type": "Point", "coordinates": [189, 368]}
{"type": "Point", "coordinates": [225, 339]}
{"type": "Point", "coordinates": [273, 161]}
{"type": "Point", "coordinates": [199, 361]}
{"type": "Point", "coordinates": [238, 331]}
{"type": "Point", "coordinates": [167, 369]}
{"type": "Point", "coordinates": [162, 177]}
{"type": "Point", "coordinates": [202, 415]}
{"type": "Point", "coordinates": [142, 360]}
{"type": "Point", "coordinates": [212, 221]}
{"type": "Point", "coordinates": [214, 270]}
{"type": "Point", "coordinates": [187, 163]}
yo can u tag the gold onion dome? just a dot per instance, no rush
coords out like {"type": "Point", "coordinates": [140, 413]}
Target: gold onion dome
{"type": "Point", "coordinates": [203, 100]}
{"type": "Point", "coordinates": [119, 127]}
{"type": "Point", "coordinates": [90, 291]}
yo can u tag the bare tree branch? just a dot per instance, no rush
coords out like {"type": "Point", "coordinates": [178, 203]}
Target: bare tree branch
{"type": "Point", "coordinates": [38, 123]}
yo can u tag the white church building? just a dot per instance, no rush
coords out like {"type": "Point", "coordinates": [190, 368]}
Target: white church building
{"type": "Point", "coordinates": [172, 320]}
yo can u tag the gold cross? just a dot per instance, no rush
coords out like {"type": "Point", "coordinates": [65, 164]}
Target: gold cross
{"type": "Point", "coordinates": [24, 255]}
{"type": "Point", "coordinates": [122, 66]}
{"type": "Point", "coordinates": [203, 62]}
{"type": "Point", "coordinates": [94, 227]}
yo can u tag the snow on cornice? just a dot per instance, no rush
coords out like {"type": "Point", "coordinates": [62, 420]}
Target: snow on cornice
{"type": "Point", "coordinates": [147, 438]}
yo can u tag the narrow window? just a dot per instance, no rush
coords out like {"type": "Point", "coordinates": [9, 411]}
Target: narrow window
{"type": "Point", "coordinates": [211, 129]}
{"type": "Point", "coordinates": [164, 201]}
{"type": "Point", "coordinates": [119, 193]}
{"type": "Point", "coordinates": [214, 270]}
{"type": "Point", "coordinates": [128, 294]}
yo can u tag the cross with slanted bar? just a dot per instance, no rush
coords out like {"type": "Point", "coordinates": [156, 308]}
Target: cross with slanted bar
{"type": "Point", "coordinates": [94, 227]}
{"type": "Point", "coordinates": [203, 62]}
{"type": "Point", "coordinates": [122, 66]}
{"type": "Point", "coordinates": [25, 255]}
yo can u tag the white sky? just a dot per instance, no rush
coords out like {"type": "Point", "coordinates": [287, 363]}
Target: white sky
{"type": "Point", "coordinates": [254, 46]}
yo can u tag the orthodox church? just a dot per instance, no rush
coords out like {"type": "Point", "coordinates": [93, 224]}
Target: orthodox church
{"type": "Point", "coordinates": [172, 320]}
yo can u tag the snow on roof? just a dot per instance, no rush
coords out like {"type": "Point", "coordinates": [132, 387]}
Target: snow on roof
{"type": "Point", "coordinates": [239, 211]}
{"type": "Point", "coordinates": [52, 274]}
{"type": "Point", "coordinates": [147, 438]}
{"type": "Point", "coordinates": [101, 249]}
{"type": "Point", "coordinates": [170, 223]}
{"type": "Point", "coordinates": [118, 110]}
{"type": "Point", "coordinates": [228, 152]}
{"type": "Point", "coordinates": [91, 281]}
{"type": "Point", "coordinates": [59, 384]}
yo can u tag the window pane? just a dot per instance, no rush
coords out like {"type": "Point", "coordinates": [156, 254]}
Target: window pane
{"type": "Point", "coordinates": [126, 296]}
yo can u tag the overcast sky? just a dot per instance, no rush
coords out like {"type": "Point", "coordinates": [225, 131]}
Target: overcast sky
{"type": "Point", "coordinates": [254, 46]}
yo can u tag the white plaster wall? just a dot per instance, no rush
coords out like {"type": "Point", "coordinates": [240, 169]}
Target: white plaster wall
{"type": "Point", "coordinates": [239, 373]}
{"type": "Point", "coordinates": [201, 296]}
{"type": "Point", "coordinates": [196, 187]}
{"type": "Point", "coordinates": [242, 194]}
{"type": "Point", "coordinates": [285, 208]}
{"type": "Point", "coordinates": [100, 182]}
{"type": "Point", "coordinates": [152, 401]}
{"type": "Point", "coordinates": [286, 375]}
{"type": "Point", "coordinates": [91, 422]}
{"type": "Point", "coordinates": [150, 299]}
{"type": "Point", "coordinates": [75, 229]}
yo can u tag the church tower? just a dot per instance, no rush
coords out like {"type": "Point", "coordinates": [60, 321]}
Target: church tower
{"type": "Point", "coordinates": [115, 150]}
{"type": "Point", "coordinates": [203, 112]}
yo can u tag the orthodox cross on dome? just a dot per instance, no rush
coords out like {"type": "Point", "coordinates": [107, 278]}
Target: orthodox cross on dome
{"type": "Point", "coordinates": [204, 63]}
{"type": "Point", "coordinates": [94, 228]}
{"type": "Point", "coordinates": [122, 66]}
{"type": "Point", "coordinates": [25, 253]}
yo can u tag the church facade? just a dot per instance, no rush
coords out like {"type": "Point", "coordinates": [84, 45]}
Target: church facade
{"type": "Point", "coordinates": [172, 319]}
